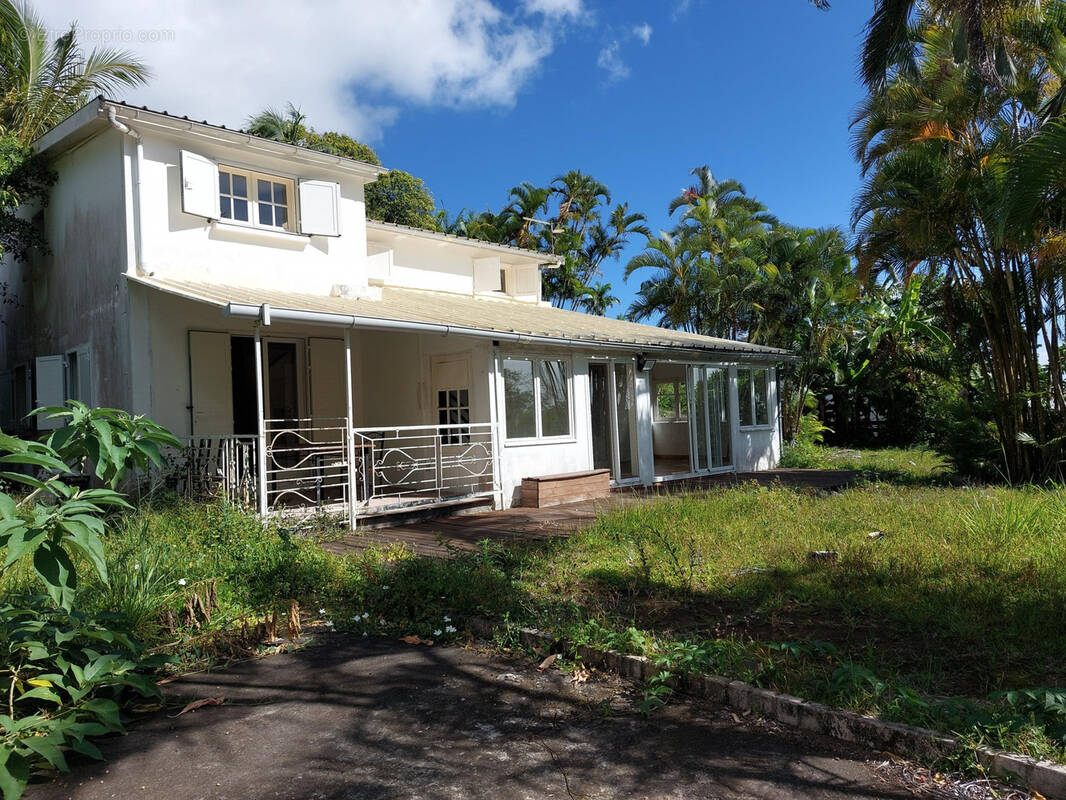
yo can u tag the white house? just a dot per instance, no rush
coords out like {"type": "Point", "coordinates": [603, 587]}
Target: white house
{"type": "Point", "coordinates": [232, 289]}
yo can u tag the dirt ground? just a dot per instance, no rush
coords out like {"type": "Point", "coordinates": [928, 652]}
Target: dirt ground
{"type": "Point", "coordinates": [373, 718]}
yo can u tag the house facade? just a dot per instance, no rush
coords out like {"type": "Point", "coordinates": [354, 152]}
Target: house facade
{"type": "Point", "coordinates": [232, 289]}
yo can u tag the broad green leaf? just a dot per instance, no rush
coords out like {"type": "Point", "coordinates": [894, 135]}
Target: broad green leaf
{"type": "Point", "coordinates": [106, 711]}
{"type": "Point", "coordinates": [14, 773]}
{"type": "Point", "coordinates": [46, 748]}
{"type": "Point", "coordinates": [87, 542]}
{"type": "Point", "coordinates": [55, 568]}
{"type": "Point", "coordinates": [22, 541]}
{"type": "Point", "coordinates": [41, 693]}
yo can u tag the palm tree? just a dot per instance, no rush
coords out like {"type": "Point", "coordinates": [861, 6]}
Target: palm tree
{"type": "Point", "coordinates": [890, 33]}
{"type": "Point", "coordinates": [598, 299]}
{"type": "Point", "coordinates": [45, 81]}
{"type": "Point", "coordinates": [282, 126]}
{"type": "Point", "coordinates": [527, 203]}
{"type": "Point", "coordinates": [951, 162]}
{"type": "Point", "coordinates": [671, 297]}
{"type": "Point", "coordinates": [580, 196]}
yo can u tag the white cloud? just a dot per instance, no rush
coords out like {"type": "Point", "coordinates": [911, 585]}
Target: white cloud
{"type": "Point", "coordinates": [681, 8]}
{"type": "Point", "coordinates": [556, 8]}
{"type": "Point", "coordinates": [348, 64]}
{"type": "Point", "coordinates": [642, 32]}
{"type": "Point", "coordinates": [610, 60]}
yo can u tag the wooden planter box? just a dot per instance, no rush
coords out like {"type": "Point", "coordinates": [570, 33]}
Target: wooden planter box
{"type": "Point", "coordinates": [553, 490]}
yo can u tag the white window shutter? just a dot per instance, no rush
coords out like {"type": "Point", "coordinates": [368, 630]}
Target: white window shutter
{"type": "Point", "coordinates": [320, 205]}
{"type": "Point", "coordinates": [199, 185]}
{"type": "Point", "coordinates": [49, 373]}
{"type": "Point", "coordinates": [487, 274]}
{"type": "Point", "coordinates": [85, 376]}
{"type": "Point", "coordinates": [528, 281]}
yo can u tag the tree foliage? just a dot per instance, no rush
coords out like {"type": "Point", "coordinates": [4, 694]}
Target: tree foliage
{"type": "Point", "coordinates": [44, 80]}
{"type": "Point", "coordinates": [401, 198]}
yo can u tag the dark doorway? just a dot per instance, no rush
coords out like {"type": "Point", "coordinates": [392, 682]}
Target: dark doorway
{"type": "Point", "coordinates": [242, 359]}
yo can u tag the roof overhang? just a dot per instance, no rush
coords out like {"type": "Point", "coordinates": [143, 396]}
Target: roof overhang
{"type": "Point", "coordinates": [92, 118]}
{"type": "Point", "coordinates": [265, 313]}
{"type": "Point", "coordinates": [394, 231]}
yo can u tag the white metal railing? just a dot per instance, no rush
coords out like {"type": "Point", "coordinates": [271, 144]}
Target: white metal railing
{"type": "Point", "coordinates": [306, 464]}
{"type": "Point", "coordinates": [217, 466]}
{"type": "Point", "coordinates": [425, 463]}
{"type": "Point", "coordinates": [320, 465]}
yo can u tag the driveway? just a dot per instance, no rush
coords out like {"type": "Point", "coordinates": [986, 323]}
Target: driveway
{"type": "Point", "coordinates": [372, 718]}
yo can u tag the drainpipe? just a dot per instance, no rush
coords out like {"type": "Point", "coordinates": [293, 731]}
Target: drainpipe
{"type": "Point", "coordinates": [138, 224]}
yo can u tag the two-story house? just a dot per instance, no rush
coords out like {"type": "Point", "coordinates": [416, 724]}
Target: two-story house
{"type": "Point", "coordinates": [232, 289]}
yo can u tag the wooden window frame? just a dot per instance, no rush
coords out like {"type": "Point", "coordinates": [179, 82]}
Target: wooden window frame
{"type": "Point", "coordinates": [253, 178]}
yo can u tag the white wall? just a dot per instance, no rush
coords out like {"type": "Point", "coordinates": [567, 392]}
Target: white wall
{"type": "Point", "coordinates": [75, 295]}
{"type": "Point", "coordinates": [185, 247]}
{"type": "Point", "coordinates": [437, 264]}
{"type": "Point", "coordinates": [393, 385]}
{"type": "Point", "coordinates": [520, 460]}
{"type": "Point", "coordinates": [755, 448]}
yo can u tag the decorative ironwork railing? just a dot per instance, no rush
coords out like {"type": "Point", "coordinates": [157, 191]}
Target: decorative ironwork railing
{"type": "Point", "coordinates": [307, 465]}
{"type": "Point", "coordinates": [319, 465]}
{"type": "Point", "coordinates": [427, 463]}
{"type": "Point", "coordinates": [217, 466]}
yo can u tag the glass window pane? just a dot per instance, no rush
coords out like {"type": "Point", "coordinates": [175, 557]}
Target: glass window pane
{"type": "Point", "coordinates": [240, 186]}
{"type": "Point", "coordinates": [464, 397]}
{"type": "Point", "coordinates": [240, 209]}
{"type": "Point", "coordinates": [442, 417]}
{"type": "Point", "coordinates": [464, 415]}
{"type": "Point", "coordinates": [281, 216]}
{"type": "Point", "coordinates": [223, 182]}
{"type": "Point", "coordinates": [744, 395]}
{"type": "Point", "coordinates": [762, 409]}
{"type": "Point", "coordinates": [263, 188]}
{"type": "Point", "coordinates": [266, 216]}
{"type": "Point", "coordinates": [224, 206]}
{"type": "Point", "coordinates": [664, 395]}
{"type": "Point", "coordinates": [518, 396]}
{"type": "Point", "coordinates": [554, 399]}
{"type": "Point", "coordinates": [279, 194]}
{"type": "Point", "coordinates": [453, 398]}
{"type": "Point", "coordinates": [441, 399]}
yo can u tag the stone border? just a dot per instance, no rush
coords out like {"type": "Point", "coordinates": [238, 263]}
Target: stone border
{"type": "Point", "coordinates": [1046, 777]}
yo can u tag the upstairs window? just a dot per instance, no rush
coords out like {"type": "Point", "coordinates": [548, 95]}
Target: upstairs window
{"type": "Point", "coordinates": [255, 199]}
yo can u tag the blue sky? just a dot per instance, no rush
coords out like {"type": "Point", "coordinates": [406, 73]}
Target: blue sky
{"type": "Point", "coordinates": [761, 91]}
{"type": "Point", "coordinates": [476, 96]}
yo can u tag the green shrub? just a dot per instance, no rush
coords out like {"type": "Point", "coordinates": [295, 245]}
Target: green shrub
{"type": "Point", "coordinates": [65, 676]}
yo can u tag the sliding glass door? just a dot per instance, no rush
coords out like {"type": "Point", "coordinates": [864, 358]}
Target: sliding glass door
{"type": "Point", "coordinates": [709, 424]}
{"type": "Point", "coordinates": [613, 410]}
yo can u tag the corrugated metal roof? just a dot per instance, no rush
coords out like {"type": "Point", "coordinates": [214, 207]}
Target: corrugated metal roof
{"type": "Point", "coordinates": [396, 228]}
{"type": "Point", "coordinates": [471, 312]}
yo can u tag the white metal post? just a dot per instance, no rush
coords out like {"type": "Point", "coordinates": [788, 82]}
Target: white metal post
{"type": "Point", "coordinates": [261, 420]}
{"type": "Point", "coordinates": [351, 428]}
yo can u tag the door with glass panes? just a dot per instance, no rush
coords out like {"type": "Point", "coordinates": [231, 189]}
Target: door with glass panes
{"type": "Point", "coordinates": [710, 430]}
{"type": "Point", "coordinates": [613, 411]}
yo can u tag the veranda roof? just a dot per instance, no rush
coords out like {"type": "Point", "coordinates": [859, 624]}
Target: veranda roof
{"type": "Point", "coordinates": [464, 315]}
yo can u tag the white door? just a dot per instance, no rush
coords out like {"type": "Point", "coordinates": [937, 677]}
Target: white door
{"type": "Point", "coordinates": [211, 383]}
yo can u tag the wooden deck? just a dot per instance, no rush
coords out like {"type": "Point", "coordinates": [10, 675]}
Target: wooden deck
{"type": "Point", "coordinates": [444, 535]}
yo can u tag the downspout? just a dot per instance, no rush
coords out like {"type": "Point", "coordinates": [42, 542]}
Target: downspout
{"type": "Point", "coordinates": [138, 225]}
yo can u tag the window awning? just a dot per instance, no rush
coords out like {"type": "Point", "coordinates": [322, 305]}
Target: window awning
{"type": "Point", "coordinates": [462, 315]}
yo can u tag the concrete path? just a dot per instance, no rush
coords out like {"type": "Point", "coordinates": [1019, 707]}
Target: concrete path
{"type": "Point", "coordinates": [366, 718]}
